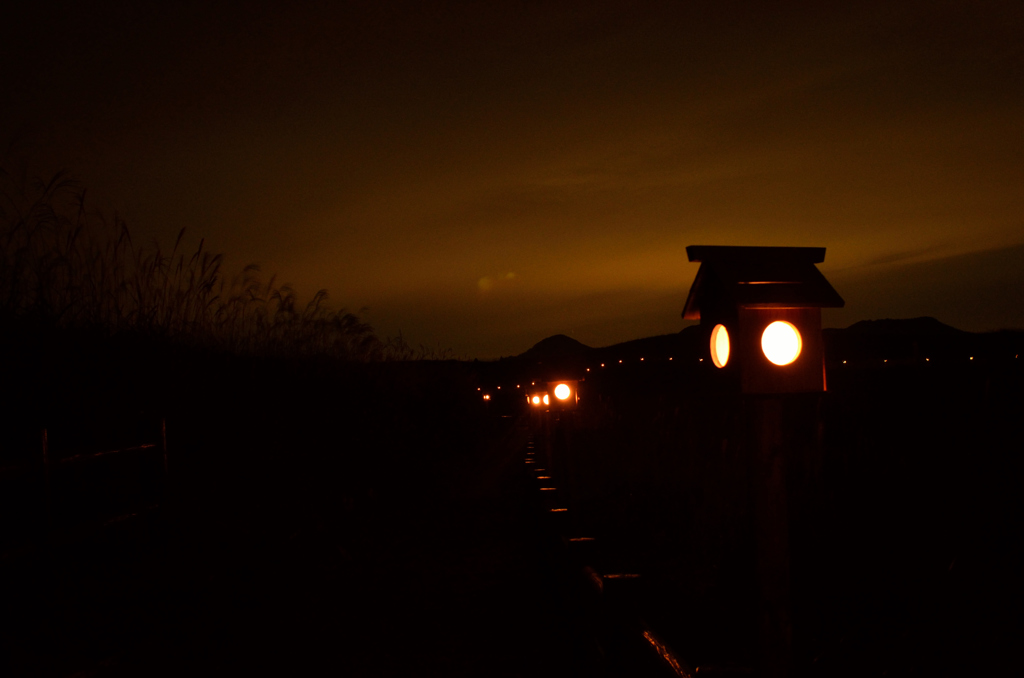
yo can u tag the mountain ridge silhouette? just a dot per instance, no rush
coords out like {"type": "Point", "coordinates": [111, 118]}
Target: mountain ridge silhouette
{"type": "Point", "coordinates": [900, 337]}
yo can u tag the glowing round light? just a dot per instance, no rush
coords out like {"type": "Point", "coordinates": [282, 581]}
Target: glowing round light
{"type": "Point", "coordinates": [536, 400]}
{"type": "Point", "coordinates": [781, 342]}
{"type": "Point", "coordinates": [562, 391]}
{"type": "Point", "coordinates": [719, 346]}
{"type": "Point", "coordinates": [547, 401]}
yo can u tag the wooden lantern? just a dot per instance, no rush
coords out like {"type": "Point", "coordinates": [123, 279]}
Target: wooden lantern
{"type": "Point", "coordinates": [538, 400]}
{"type": "Point", "coordinates": [761, 309]}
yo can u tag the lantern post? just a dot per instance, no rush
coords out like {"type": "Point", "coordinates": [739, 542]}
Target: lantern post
{"type": "Point", "coordinates": [760, 308]}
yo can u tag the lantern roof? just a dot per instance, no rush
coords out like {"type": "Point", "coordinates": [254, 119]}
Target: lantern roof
{"type": "Point", "coordinates": [759, 277]}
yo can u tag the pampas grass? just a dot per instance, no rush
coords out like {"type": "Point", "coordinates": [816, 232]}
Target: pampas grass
{"type": "Point", "coordinates": [65, 266]}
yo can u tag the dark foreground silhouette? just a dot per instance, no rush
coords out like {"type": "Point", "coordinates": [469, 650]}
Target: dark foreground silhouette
{"type": "Point", "coordinates": [301, 537]}
{"type": "Point", "coordinates": [373, 518]}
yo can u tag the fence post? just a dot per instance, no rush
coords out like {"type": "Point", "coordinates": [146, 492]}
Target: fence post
{"type": "Point", "coordinates": [47, 489]}
{"type": "Point", "coordinates": [768, 443]}
{"type": "Point", "coordinates": [163, 443]}
{"type": "Point", "coordinates": [163, 451]}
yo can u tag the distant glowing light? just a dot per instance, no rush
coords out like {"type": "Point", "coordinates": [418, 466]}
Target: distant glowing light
{"type": "Point", "coordinates": [588, 369]}
{"type": "Point", "coordinates": [562, 391]}
{"type": "Point", "coordinates": [972, 357]}
{"type": "Point", "coordinates": [602, 364]}
{"type": "Point", "coordinates": [927, 360]}
{"type": "Point", "coordinates": [620, 361]}
{"type": "Point", "coordinates": [844, 362]}
{"type": "Point", "coordinates": [641, 359]}
{"type": "Point", "coordinates": [781, 342]}
{"type": "Point", "coordinates": [547, 401]}
{"type": "Point", "coordinates": [720, 346]}
{"type": "Point", "coordinates": [536, 400]}
{"type": "Point", "coordinates": [499, 388]}
{"type": "Point", "coordinates": [478, 388]}
{"type": "Point", "coordinates": [487, 397]}
{"type": "Point", "coordinates": [670, 358]}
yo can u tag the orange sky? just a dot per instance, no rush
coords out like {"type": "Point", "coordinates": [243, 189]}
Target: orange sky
{"type": "Point", "coordinates": [483, 175]}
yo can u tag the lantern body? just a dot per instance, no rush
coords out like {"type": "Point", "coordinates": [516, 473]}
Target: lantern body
{"type": "Point", "coordinates": [758, 374]}
{"type": "Point", "coordinates": [564, 394]}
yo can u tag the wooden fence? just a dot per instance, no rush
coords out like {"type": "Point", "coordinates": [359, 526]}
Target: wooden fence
{"type": "Point", "coordinates": [56, 496]}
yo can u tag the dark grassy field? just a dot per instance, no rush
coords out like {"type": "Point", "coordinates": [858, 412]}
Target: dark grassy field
{"type": "Point", "coordinates": [361, 519]}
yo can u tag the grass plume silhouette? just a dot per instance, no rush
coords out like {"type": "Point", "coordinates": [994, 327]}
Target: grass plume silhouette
{"type": "Point", "coordinates": [64, 266]}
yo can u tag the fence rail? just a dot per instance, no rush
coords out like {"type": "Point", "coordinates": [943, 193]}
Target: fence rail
{"type": "Point", "coordinates": [71, 472]}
